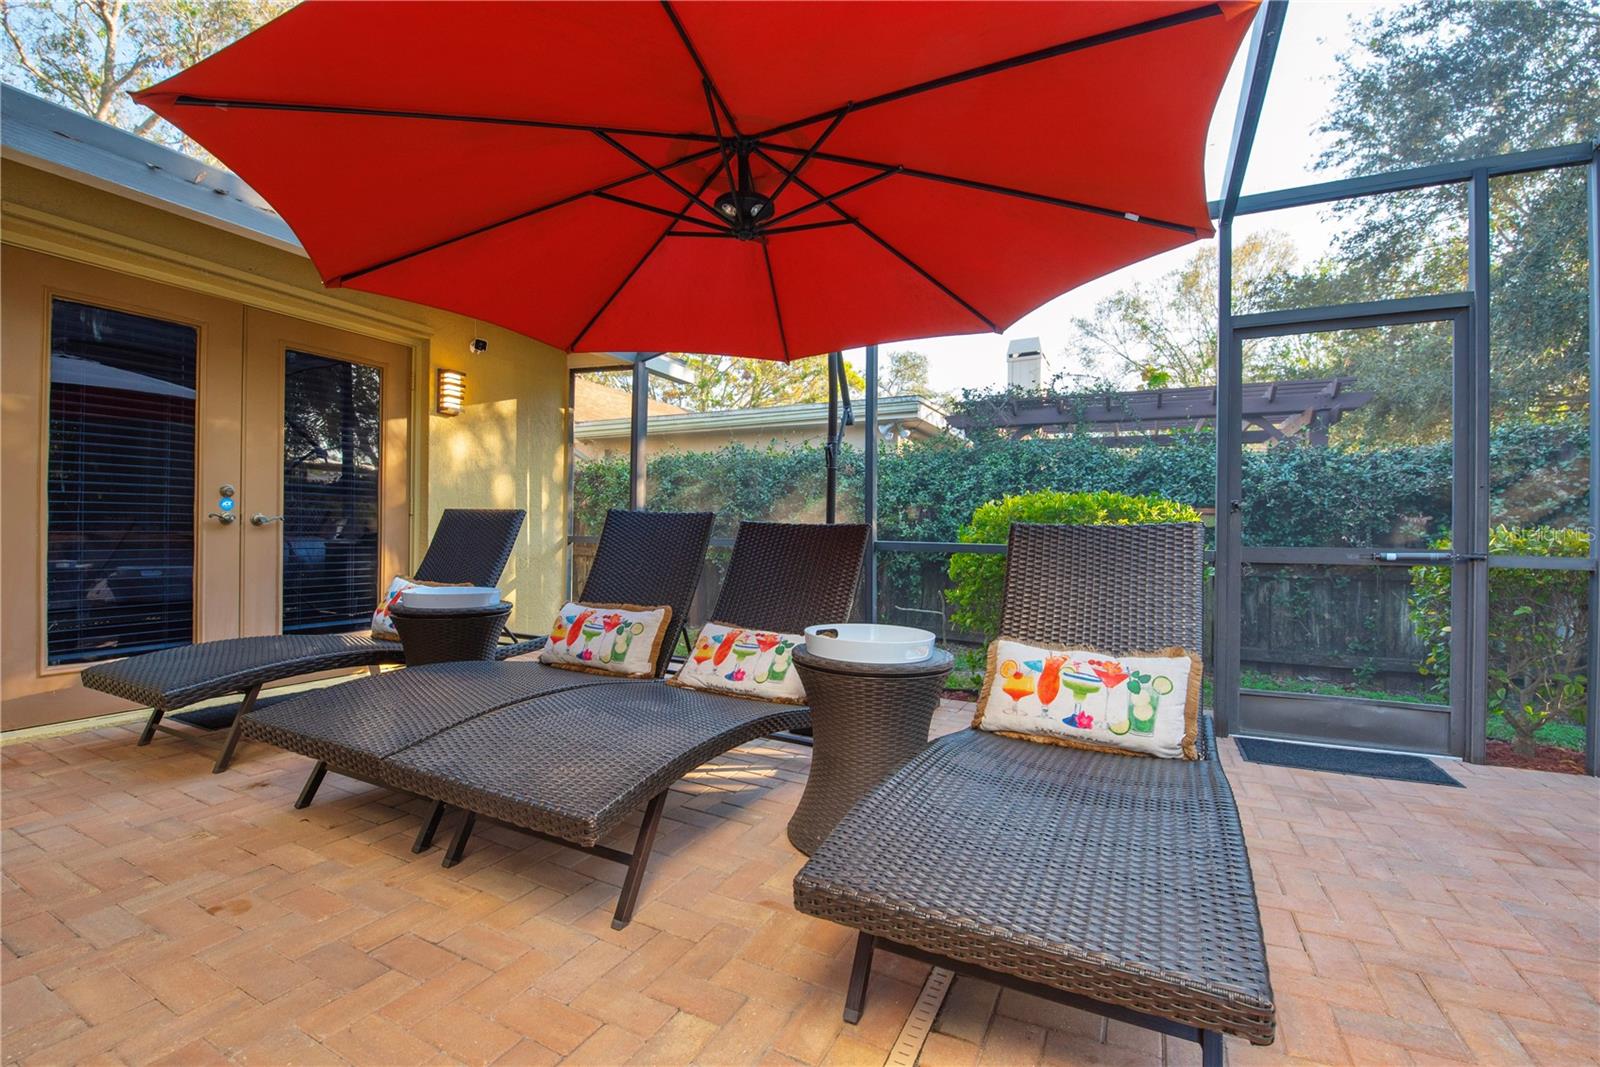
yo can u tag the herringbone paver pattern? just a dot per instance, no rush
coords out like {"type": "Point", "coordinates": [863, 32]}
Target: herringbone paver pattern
{"type": "Point", "coordinates": [155, 913]}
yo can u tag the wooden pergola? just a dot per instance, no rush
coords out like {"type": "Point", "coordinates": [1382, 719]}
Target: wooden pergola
{"type": "Point", "coordinates": [1272, 412]}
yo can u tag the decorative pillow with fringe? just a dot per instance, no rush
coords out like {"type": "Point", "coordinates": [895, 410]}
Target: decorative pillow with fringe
{"type": "Point", "coordinates": [622, 639]}
{"type": "Point", "coordinates": [744, 662]}
{"type": "Point", "coordinates": [1141, 703]}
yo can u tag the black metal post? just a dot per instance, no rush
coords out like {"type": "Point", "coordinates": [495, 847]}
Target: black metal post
{"type": "Point", "coordinates": [638, 427]}
{"type": "Point", "coordinates": [1473, 540]}
{"type": "Point", "coordinates": [830, 451]}
{"type": "Point", "coordinates": [869, 489]}
{"type": "Point", "coordinates": [1228, 573]}
{"type": "Point", "coordinates": [1591, 746]}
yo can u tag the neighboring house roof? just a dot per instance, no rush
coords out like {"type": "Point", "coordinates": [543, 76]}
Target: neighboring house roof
{"type": "Point", "coordinates": [790, 419]}
{"type": "Point", "coordinates": [66, 142]}
{"type": "Point", "coordinates": [593, 401]}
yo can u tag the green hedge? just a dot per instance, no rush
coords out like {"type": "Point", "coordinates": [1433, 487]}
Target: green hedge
{"type": "Point", "coordinates": [977, 580]}
{"type": "Point", "coordinates": [927, 490]}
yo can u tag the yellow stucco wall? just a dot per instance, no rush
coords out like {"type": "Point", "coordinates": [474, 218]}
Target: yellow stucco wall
{"type": "Point", "coordinates": [507, 448]}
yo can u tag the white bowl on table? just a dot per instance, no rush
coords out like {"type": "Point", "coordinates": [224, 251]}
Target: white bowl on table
{"type": "Point", "coordinates": [446, 597]}
{"type": "Point", "coordinates": [866, 642]}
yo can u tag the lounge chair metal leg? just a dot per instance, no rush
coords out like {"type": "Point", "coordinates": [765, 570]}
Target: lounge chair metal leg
{"type": "Point", "coordinates": [856, 999]}
{"type": "Point", "coordinates": [226, 755]}
{"type": "Point", "coordinates": [1211, 1049]}
{"type": "Point", "coordinates": [308, 791]}
{"type": "Point", "coordinates": [150, 726]}
{"type": "Point", "coordinates": [458, 844]}
{"type": "Point", "coordinates": [640, 856]}
{"type": "Point", "coordinates": [425, 835]}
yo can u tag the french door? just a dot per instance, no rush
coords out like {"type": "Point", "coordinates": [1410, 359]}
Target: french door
{"type": "Point", "coordinates": [202, 470]}
{"type": "Point", "coordinates": [1343, 619]}
{"type": "Point", "coordinates": [322, 510]}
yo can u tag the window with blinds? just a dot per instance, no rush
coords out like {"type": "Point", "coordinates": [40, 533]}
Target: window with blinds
{"type": "Point", "coordinates": [332, 431]}
{"type": "Point", "coordinates": [120, 484]}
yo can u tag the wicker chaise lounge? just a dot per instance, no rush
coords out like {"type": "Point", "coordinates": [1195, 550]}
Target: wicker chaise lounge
{"type": "Point", "coordinates": [643, 558]}
{"type": "Point", "coordinates": [571, 766]}
{"type": "Point", "coordinates": [469, 546]}
{"type": "Point", "coordinates": [1117, 884]}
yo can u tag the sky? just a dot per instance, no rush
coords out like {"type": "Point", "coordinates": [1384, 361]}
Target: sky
{"type": "Point", "coordinates": [1287, 146]}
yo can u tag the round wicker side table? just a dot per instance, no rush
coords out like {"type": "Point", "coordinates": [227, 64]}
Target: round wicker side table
{"type": "Point", "coordinates": [449, 635]}
{"type": "Point", "coordinates": [867, 720]}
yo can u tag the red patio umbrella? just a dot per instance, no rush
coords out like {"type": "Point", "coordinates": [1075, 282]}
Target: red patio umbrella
{"type": "Point", "coordinates": [764, 179]}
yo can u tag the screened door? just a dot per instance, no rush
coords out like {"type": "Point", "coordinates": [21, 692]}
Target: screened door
{"type": "Point", "coordinates": [326, 523]}
{"type": "Point", "coordinates": [1351, 611]}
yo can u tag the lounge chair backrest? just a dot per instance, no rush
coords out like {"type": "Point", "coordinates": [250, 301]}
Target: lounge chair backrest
{"type": "Point", "coordinates": [786, 576]}
{"type": "Point", "coordinates": [649, 558]}
{"type": "Point", "coordinates": [1115, 589]}
{"type": "Point", "coordinates": [471, 546]}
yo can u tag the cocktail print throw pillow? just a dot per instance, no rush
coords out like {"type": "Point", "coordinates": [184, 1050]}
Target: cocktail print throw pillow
{"type": "Point", "coordinates": [1144, 703]}
{"type": "Point", "coordinates": [744, 662]}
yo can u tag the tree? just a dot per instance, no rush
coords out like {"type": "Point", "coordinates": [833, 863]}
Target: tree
{"type": "Point", "coordinates": [1438, 80]}
{"type": "Point", "coordinates": [906, 375]}
{"type": "Point", "coordinates": [1165, 332]}
{"type": "Point", "coordinates": [724, 383]}
{"type": "Point", "coordinates": [90, 54]}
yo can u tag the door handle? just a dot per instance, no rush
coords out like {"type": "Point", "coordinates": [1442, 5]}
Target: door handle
{"type": "Point", "coordinates": [259, 519]}
{"type": "Point", "coordinates": [226, 518]}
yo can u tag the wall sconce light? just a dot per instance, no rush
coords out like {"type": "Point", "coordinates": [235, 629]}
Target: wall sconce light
{"type": "Point", "coordinates": [452, 390]}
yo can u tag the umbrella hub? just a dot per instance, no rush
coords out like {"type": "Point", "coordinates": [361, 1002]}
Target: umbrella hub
{"type": "Point", "coordinates": [743, 205]}
{"type": "Point", "coordinates": [745, 210]}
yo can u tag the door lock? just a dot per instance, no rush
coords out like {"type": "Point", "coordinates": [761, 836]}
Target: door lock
{"type": "Point", "coordinates": [259, 519]}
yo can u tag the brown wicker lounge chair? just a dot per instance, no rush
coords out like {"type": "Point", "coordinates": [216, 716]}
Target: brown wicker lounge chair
{"type": "Point", "coordinates": [570, 766]}
{"type": "Point", "coordinates": [469, 546]}
{"type": "Point", "coordinates": [643, 558]}
{"type": "Point", "coordinates": [1116, 884]}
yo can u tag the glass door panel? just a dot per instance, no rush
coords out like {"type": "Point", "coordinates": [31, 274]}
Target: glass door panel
{"type": "Point", "coordinates": [120, 494]}
{"type": "Point", "coordinates": [324, 509]}
{"type": "Point", "coordinates": [332, 444]}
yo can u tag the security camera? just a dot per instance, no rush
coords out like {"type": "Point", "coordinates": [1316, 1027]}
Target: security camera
{"type": "Point", "coordinates": [479, 345]}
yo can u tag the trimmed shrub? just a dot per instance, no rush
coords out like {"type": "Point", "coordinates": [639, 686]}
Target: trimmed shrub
{"type": "Point", "coordinates": [977, 580]}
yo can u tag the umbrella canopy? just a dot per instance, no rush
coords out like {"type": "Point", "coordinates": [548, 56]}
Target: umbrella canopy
{"type": "Point", "coordinates": [766, 179]}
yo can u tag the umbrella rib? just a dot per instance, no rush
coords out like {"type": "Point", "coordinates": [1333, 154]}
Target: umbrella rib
{"type": "Point", "coordinates": [999, 190]}
{"type": "Point", "coordinates": [1080, 44]}
{"type": "Point", "coordinates": [518, 217]}
{"type": "Point", "coordinates": [434, 116]}
{"type": "Point", "coordinates": [694, 198]}
{"type": "Point", "coordinates": [840, 194]}
{"type": "Point", "coordinates": [777, 308]}
{"type": "Point", "coordinates": [705, 75]}
{"type": "Point", "coordinates": [798, 167]}
{"type": "Point", "coordinates": [887, 247]}
{"type": "Point", "coordinates": [711, 228]}
{"type": "Point", "coordinates": [716, 128]}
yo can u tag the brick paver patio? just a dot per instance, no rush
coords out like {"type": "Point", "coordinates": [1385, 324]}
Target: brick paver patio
{"type": "Point", "coordinates": [153, 912]}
